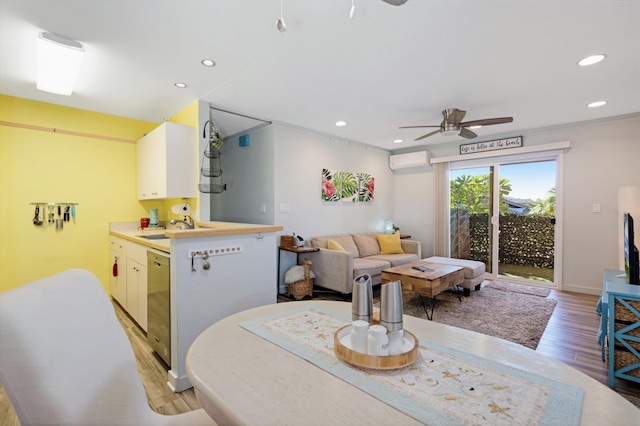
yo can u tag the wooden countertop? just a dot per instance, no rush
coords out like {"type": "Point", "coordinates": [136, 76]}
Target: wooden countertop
{"type": "Point", "coordinates": [134, 235]}
{"type": "Point", "coordinates": [212, 229]}
{"type": "Point", "coordinates": [203, 229]}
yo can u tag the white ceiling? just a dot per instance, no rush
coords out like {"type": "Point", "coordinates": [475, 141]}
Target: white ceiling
{"type": "Point", "coordinates": [391, 66]}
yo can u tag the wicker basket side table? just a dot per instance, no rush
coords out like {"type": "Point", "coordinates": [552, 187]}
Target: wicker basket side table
{"type": "Point", "coordinates": [302, 287]}
{"type": "Point", "coordinates": [289, 256]}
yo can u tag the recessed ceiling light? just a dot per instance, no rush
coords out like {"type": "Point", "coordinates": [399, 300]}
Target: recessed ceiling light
{"type": "Point", "coordinates": [208, 62]}
{"type": "Point", "coordinates": [397, 141]}
{"type": "Point", "coordinates": [180, 85]}
{"type": "Point", "coordinates": [590, 60]}
{"type": "Point", "coordinates": [596, 104]}
{"type": "Point", "coordinates": [341, 123]}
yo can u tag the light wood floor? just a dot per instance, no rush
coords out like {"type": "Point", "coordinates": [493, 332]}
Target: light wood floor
{"type": "Point", "coordinates": [570, 337]}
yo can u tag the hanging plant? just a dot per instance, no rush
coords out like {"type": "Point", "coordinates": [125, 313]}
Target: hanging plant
{"type": "Point", "coordinates": [215, 138]}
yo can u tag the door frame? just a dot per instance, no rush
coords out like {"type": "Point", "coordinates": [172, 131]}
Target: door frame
{"type": "Point", "coordinates": [496, 161]}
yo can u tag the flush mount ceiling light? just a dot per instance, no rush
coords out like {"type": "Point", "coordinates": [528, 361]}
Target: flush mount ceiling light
{"type": "Point", "coordinates": [180, 85]}
{"type": "Point", "coordinates": [590, 60]}
{"type": "Point", "coordinates": [208, 63]}
{"type": "Point", "coordinates": [597, 104]}
{"type": "Point", "coordinates": [397, 141]}
{"type": "Point", "coordinates": [59, 60]}
{"type": "Point", "coordinates": [341, 123]}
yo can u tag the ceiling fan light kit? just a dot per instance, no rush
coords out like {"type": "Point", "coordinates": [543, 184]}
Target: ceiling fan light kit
{"type": "Point", "coordinates": [452, 124]}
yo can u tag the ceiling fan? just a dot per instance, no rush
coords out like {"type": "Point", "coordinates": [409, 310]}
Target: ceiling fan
{"type": "Point", "coordinates": [452, 123]}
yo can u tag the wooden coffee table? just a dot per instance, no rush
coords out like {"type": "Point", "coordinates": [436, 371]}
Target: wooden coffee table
{"type": "Point", "coordinates": [430, 283]}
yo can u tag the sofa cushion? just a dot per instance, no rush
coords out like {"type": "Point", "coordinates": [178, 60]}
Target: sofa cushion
{"type": "Point", "coordinates": [396, 259]}
{"type": "Point", "coordinates": [369, 266]}
{"type": "Point", "coordinates": [345, 240]}
{"type": "Point", "coordinates": [334, 245]}
{"type": "Point", "coordinates": [390, 243]}
{"type": "Point", "coordinates": [367, 244]}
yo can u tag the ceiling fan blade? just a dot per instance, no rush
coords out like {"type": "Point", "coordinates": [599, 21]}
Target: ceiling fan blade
{"type": "Point", "coordinates": [453, 116]}
{"type": "Point", "coordinates": [415, 127]}
{"type": "Point", "coordinates": [466, 133]}
{"type": "Point", "coordinates": [428, 134]}
{"type": "Point", "coordinates": [487, 121]}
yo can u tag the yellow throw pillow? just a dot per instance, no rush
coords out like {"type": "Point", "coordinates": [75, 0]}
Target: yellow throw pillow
{"type": "Point", "coordinates": [334, 245]}
{"type": "Point", "coordinates": [390, 243]}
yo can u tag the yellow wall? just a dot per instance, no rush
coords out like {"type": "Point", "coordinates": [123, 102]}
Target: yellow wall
{"type": "Point", "coordinates": [37, 166]}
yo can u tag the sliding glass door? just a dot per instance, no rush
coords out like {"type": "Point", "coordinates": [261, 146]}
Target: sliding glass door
{"type": "Point", "coordinates": [504, 214]}
{"type": "Point", "coordinates": [471, 207]}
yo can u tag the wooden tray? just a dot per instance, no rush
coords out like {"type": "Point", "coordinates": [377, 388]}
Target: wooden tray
{"type": "Point", "coordinates": [374, 361]}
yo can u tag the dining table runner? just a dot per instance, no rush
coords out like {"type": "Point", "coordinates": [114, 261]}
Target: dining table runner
{"type": "Point", "coordinates": [445, 386]}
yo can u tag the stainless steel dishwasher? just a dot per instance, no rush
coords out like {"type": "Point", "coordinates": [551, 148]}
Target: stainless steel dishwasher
{"type": "Point", "coordinates": [159, 305]}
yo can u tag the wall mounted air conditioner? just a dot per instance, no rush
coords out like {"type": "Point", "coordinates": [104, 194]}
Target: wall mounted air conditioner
{"type": "Point", "coordinates": [411, 159]}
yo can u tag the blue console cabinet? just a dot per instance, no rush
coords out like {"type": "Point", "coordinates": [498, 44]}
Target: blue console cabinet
{"type": "Point", "coordinates": [626, 297]}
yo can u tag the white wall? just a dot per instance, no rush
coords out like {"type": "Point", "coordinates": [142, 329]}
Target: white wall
{"type": "Point", "coordinates": [248, 172]}
{"type": "Point", "coordinates": [283, 165]}
{"type": "Point", "coordinates": [604, 156]}
{"type": "Point", "coordinates": [300, 157]}
{"type": "Point", "coordinates": [414, 201]}
{"type": "Point", "coordinates": [204, 211]}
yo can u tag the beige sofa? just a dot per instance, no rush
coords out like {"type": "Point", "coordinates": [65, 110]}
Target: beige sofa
{"type": "Point", "coordinates": [335, 270]}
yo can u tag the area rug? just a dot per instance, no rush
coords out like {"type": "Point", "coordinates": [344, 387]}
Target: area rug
{"type": "Point", "coordinates": [519, 288]}
{"type": "Point", "coordinates": [509, 311]}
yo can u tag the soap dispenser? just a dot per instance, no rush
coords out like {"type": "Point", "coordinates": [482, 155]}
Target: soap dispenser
{"type": "Point", "coordinates": [153, 218]}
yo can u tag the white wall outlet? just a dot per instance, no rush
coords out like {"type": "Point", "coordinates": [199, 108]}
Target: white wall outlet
{"type": "Point", "coordinates": [284, 208]}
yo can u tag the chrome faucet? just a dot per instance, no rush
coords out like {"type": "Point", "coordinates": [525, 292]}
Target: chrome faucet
{"type": "Point", "coordinates": [188, 222]}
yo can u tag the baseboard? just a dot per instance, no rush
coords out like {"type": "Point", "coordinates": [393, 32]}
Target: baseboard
{"type": "Point", "coordinates": [178, 384]}
{"type": "Point", "coordinates": [581, 289]}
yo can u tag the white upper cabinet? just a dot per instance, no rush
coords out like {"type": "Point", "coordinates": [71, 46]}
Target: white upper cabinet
{"type": "Point", "coordinates": [167, 166]}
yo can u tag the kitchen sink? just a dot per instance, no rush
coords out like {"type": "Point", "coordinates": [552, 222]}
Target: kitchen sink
{"type": "Point", "coordinates": [153, 237]}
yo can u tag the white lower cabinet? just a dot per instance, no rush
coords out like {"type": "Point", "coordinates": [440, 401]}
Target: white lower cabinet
{"type": "Point", "coordinates": [129, 286]}
{"type": "Point", "coordinates": [137, 292]}
{"type": "Point", "coordinates": [118, 278]}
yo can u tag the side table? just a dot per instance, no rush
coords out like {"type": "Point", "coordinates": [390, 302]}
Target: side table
{"type": "Point", "coordinates": [288, 257]}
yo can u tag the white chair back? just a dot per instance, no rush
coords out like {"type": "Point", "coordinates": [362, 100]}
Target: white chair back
{"type": "Point", "coordinates": [65, 358]}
